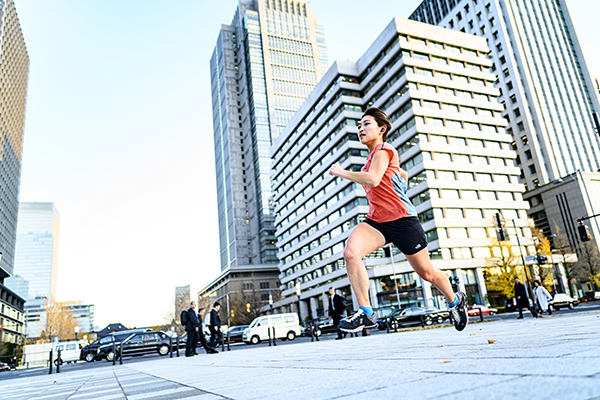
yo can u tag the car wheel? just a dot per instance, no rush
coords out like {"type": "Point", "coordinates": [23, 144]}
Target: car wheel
{"type": "Point", "coordinates": [428, 320]}
{"type": "Point", "coordinates": [440, 319]}
{"type": "Point", "coordinates": [110, 356]}
{"type": "Point", "coordinates": [163, 350]}
{"type": "Point", "coordinates": [394, 325]}
{"type": "Point", "coordinates": [89, 357]}
{"type": "Point", "coordinates": [255, 340]}
{"type": "Point", "coordinates": [492, 313]}
{"type": "Point", "coordinates": [291, 335]}
{"type": "Point", "coordinates": [58, 362]}
{"type": "Point", "coordinates": [571, 306]}
{"type": "Point", "coordinates": [318, 333]}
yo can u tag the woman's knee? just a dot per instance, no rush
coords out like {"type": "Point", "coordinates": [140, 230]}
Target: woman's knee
{"type": "Point", "coordinates": [351, 254]}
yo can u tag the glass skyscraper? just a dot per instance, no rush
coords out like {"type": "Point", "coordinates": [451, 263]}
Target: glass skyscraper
{"type": "Point", "coordinates": [265, 64]}
{"type": "Point", "coordinates": [36, 253]}
{"type": "Point", "coordinates": [14, 72]}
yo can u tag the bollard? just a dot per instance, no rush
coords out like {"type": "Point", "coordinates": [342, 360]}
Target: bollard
{"type": "Point", "coordinates": [222, 341]}
{"type": "Point", "coordinates": [480, 315]}
{"type": "Point", "coordinates": [269, 332]}
{"type": "Point", "coordinates": [121, 354]}
{"type": "Point", "coordinates": [58, 360]}
{"type": "Point", "coordinates": [114, 354]}
{"type": "Point", "coordinates": [274, 344]}
{"type": "Point", "coordinates": [312, 333]}
{"type": "Point", "coordinates": [49, 372]}
{"type": "Point", "coordinates": [228, 340]}
{"type": "Point", "coordinates": [177, 345]}
{"type": "Point", "coordinates": [316, 329]}
{"type": "Point", "coordinates": [422, 321]}
{"type": "Point", "coordinates": [171, 346]}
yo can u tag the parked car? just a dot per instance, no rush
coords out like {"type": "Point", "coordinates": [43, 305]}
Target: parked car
{"type": "Point", "coordinates": [287, 327]}
{"type": "Point", "coordinates": [562, 300]}
{"type": "Point", "coordinates": [413, 315]}
{"type": "Point", "coordinates": [510, 304]}
{"type": "Point", "coordinates": [4, 367]}
{"type": "Point", "coordinates": [138, 344]}
{"type": "Point", "coordinates": [235, 333]}
{"type": "Point", "coordinates": [326, 326]}
{"type": "Point", "coordinates": [90, 352]}
{"type": "Point", "coordinates": [474, 310]}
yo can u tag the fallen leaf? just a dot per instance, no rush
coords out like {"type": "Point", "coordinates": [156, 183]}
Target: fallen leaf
{"type": "Point", "coordinates": [490, 341]}
{"type": "Point", "coordinates": [289, 366]}
{"type": "Point", "coordinates": [445, 361]}
{"type": "Point", "coordinates": [55, 382]}
{"type": "Point", "coordinates": [472, 334]}
{"type": "Point", "coordinates": [440, 345]}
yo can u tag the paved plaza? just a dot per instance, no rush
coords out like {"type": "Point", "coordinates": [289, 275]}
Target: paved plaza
{"type": "Point", "coordinates": [547, 358]}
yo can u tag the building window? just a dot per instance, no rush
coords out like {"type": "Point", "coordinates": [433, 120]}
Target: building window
{"type": "Point", "coordinates": [528, 154]}
{"type": "Point", "coordinates": [532, 169]}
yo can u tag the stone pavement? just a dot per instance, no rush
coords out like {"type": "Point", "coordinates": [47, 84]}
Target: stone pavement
{"type": "Point", "coordinates": [548, 358]}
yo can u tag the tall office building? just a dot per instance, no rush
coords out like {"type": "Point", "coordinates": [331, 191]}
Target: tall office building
{"type": "Point", "coordinates": [14, 72]}
{"type": "Point", "coordinates": [545, 85]}
{"type": "Point", "coordinates": [265, 64]}
{"type": "Point", "coordinates": [436, 87]}
{"type": "Point", "coordinates": [36, 254]}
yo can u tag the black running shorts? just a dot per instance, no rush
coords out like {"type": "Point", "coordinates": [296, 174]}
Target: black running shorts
{"type": "Point", "coordinates": [407, 234]}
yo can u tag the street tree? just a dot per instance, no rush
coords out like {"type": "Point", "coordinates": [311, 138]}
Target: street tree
{"type": "Point", "coordinates": [60, 322]}
{"type": "Point", "coordinates": [563, 248]}
{"type": "Point", "coordinates": [588, 264]}
{"type": "Point", "coordinates": [502, 268]}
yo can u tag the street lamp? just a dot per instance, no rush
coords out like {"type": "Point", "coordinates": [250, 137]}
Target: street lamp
{"type": "Point", "coordinates": [394, 275]}
{"type": "Point", "coordinates": [298, 292]}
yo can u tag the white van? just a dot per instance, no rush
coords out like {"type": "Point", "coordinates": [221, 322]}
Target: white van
{"type": "Point", "coordinates": [69, 351]}
{"type": "Point", "coordinates": [286, 326]}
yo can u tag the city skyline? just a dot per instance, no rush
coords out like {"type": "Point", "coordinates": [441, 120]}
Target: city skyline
{"type": "Point", "coordinates": [119, 135]}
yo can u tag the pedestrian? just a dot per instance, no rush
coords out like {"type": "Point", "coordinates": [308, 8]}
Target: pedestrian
{"type": "Point", "coordinates": [391, 218]}
{"type": "Point", "coordinates": [522, 299]}
{"type": "Point", "coordinates": [336, 310]}
{"type": "Point", "coordinates": [192, 325]}
{"type": "Point", "coordinates": [207, 347]}
{"type": "Point", "coordinates": [215, 325]}
{"type": "Point", "coordinates": [542, 297]}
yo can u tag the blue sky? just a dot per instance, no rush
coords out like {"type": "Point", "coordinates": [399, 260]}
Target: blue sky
{"type": "Point", "coordinates": [119, 135]}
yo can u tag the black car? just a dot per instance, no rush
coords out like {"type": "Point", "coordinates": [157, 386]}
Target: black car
{"type": "Point", "coordinates": [235, 333]}
{"type": "Point", "coordinates": [90, 352]}
{"type": "Point", "coordinates": [415, 316]}
{"type": "Point", "coordinates": [139, 344]}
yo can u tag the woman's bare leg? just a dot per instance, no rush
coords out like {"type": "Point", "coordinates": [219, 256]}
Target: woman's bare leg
{"type": "Point", "coordinates": [362, 241]}
{"type": "Point", "coordinates": [422, 265]}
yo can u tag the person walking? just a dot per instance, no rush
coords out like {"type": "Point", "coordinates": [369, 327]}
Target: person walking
{"type": "Point", "coordinates": [542, 297]}
{"type": "Point", "coordinates": [392, 218]}
{"type": "Point", "coordinates": [215, 326]}
{"type": "Point", "coordinates": [209, 349]}
{"type": "Point", "coordinates": [336, 310]}
{"type": "Point", "coordinates": [192, 325]}
{"type": "Point", "coordinates": [522, 299]}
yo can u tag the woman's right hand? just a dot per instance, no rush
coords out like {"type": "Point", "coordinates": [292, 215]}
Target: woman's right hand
{"type": "Point", "coordinates": [336, 170]}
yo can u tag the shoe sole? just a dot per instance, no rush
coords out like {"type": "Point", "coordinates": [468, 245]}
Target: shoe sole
{"type": "Point", "coordinates": [360, 328]}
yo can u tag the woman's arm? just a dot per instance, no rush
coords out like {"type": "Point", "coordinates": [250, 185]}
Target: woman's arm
{"type": "Point", "coordinates": [372, 177]}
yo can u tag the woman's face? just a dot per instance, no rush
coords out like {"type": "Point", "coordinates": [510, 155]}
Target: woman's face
{"type": "Point", "coordinates": [368, 131]}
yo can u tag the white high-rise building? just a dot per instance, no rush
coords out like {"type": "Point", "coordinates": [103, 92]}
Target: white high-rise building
{"type": "Point", "coordinates": [543, 79]}
{"type": "Point", "coordinates": [437, 89]}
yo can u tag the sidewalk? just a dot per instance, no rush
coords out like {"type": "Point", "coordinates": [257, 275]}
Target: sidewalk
{"type": "Point", "coordinates": [553, 357]}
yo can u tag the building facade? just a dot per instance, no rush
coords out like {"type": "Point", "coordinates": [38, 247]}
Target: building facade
{"type": "Point", "coordinates": [35, 315]}
{"type": "Point", "coordinates": [14, 74]}
{"type": "Point", "coordinates": [437, 89]}
{"type": "Point", "coordinates": [12, 316]}
{"type": "Point", "coordinates": [544, 83]}
{"type": "Point", "coordinates": [36, 256]}
{"type": "Point", "coordinates": [264, 65]}
{"type": "Point", "coordinates": [182, 299]}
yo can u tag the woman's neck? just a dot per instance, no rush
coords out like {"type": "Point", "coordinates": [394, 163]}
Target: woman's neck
{"type": "Point", "coordinates": [371, 146]}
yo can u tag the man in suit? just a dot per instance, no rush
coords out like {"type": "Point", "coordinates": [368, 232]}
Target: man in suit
{"type": "Point", "coordinates": [192, 326]}
{"type": "Point", "coordinates": [522, 299]}
{"type": "Point", "coordinates": [209, 350]}
{"type": "Point", "coordinates": [215, 325]}
{"type": "Point", "coordinates": [336, 310]}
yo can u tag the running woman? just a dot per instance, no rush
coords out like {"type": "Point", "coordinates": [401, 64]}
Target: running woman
{"type": "Point", "coordinates": [391, 218]}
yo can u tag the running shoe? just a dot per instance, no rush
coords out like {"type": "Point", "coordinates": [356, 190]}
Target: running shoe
{"type": "Point", "coordinates": [358, 322]}
{"type": "Point", "coordinates": [459, 312]}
